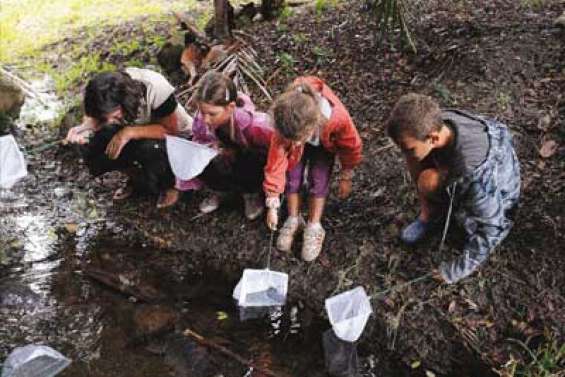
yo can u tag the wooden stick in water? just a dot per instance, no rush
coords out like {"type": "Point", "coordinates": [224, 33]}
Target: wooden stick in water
{"type": "Point", "coordinates": [223, 350]}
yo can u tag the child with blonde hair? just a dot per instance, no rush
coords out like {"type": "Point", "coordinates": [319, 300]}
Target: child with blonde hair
{"type": "Point", "coordinates": [312, 128]}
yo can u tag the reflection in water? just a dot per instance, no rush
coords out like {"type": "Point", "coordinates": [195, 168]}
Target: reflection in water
{"type": "Point", "coordinates": [38, 240]}
{"type": "Point", "coordinates": [95, 327]}
{"type": "Point", "coordinates": [37, 301]}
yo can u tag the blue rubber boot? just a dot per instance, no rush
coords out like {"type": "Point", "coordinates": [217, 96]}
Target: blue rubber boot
{"type": "Point", "coordinates": [415, 231]}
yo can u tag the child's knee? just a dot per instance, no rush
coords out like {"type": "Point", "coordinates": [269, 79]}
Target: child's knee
{"type": "Point", "coordinates": [429, 181]}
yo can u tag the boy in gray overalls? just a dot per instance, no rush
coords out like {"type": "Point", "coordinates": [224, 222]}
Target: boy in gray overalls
{"type": "Point", "coordinates": [461, 160]}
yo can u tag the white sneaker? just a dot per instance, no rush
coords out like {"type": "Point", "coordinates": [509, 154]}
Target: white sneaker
{"type": "Point", "coordinates": [314, 236]}
{"type": "Point", "coordinates": [292, 225]}
{"type": "Point", "coordinates": [211, 203]}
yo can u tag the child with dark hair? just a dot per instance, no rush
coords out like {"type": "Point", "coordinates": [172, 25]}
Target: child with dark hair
{"type": "Point", "coordinates": [312, 127]}
{"type": "Point", "coordinates": [127, 115]}
{"type": "Point", "coordinates": [226, 120]}
{"type": "Point", "coordinates": [467, 159]}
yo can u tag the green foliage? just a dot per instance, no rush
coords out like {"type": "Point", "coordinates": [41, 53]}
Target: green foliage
{"type": "Point", "coordinates": [323, 5]}
{"type": "Point", "coordinates": [286, 62]}
{"type": "Point", "coordinates": [28, 25]}
{"type": "Point", "coordinates": [299, 38]}
{"type": "Point", "coordinates": [285, 13]}
{"type": "Point", "coordinates": [391, 15]}
{"type": "Point", "coordinates": [78, 72]}
{"type": "Point", "coordinates": [503, 100]}
{"type": "Point", "coordinates": [126, 48]}
{"type": "Point", "coordinates": [322, 54]}
{"type": "Point", "coordinates": [547, 361]}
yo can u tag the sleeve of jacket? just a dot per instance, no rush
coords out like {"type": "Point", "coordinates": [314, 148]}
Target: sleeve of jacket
{"type": "Point", "coordinates": [349, 144]}
{"type": "Point", "coordinates": [486, 226]}
{"type": "Point", "coordinates": [275, 169]}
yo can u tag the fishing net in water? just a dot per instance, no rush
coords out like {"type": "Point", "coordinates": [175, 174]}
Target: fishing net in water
{"type": "Point", "coordinates": [188, 159]}
{"type": "Point", "coordinates": [34, 361]}
{"type": "Point", "coordinates": [12, 163]}
{"type": "Point", "coordinates": [261, 288]}
{"type": "Point", "coordinates": [348, 313]}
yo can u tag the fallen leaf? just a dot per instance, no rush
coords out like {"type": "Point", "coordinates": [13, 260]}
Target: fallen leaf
{"type": "Point", "coordinates": [416, 364]}
{"type": "Point", "coordinates": [548, 149]}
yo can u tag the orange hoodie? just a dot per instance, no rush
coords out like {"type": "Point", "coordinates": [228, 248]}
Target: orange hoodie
{"type": "Point", "coordinates": [338, 136]}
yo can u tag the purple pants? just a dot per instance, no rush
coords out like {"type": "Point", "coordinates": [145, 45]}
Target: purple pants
{"type": "Point", "coordinates": [320, 165]}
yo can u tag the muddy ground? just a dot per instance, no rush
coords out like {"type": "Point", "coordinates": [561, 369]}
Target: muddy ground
{"type": "Point", "coordinates": [503, 60]}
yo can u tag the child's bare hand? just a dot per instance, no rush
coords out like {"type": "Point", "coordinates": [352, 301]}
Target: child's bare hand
{"type": "Point", "coordinates": [117, 143]}
{"type": "Point", "coordinates": [344, 188]}
{"type": "Point", "coordinates": [78, 135]}
{"type": "Point", "coordinates": [272, 218]}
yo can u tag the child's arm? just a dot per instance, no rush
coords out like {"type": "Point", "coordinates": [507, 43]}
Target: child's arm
{"type": "Point", "coordinates": [165, 125]}
{"type": "Point", "coordinates": [486, 226]}
{"type": "Point", "coordinates": [275, 169]}
{"type": "Point", "coordinates": [275, 178]}
{"type": "Point", "coordinates": [349, 150]}
{"type": "Point", "coordinates": [349, 145]}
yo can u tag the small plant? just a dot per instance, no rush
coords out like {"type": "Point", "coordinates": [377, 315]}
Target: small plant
{"type": "Point", "coordinates": [323, 5]}
{"type": "Point", "coordinates": [287, 62]}
{"type": "Point", "coordinates": [126, 48]}
{"type": "Point", "coordinates": [285, 13]}
{"type": "Point", "coordinates": [322, 54]}
{"type": "Point", "coordinates": [547, 361]}
{"type": "Point", "coordinates": [80, 71]}
{"type": "Point", "coordinates": [390, 15]}
{"type": "Point", "coordinates": [503, 100]}
{"type": "Point", "coordinates": [299, 38]}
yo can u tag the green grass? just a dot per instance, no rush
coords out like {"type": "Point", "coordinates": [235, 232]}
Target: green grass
{"type": "Point", "coordinates": [547, 361]}
{"type": "Point", "coordinates": [77, 72]}
{"type": "Point", "coordinates": [28, 25]}
{"type": "Point", "coordinates": [322, 6]}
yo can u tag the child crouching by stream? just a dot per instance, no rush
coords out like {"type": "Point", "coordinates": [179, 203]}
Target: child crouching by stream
{"type": "Point", "coordinates": [458, 157]}
{"type": "Point", "coordinates": [127, 115]}
{"type": "Point", "coordinates": [312, 127]}
{"type": "Point", "coordinates": [226, 120]}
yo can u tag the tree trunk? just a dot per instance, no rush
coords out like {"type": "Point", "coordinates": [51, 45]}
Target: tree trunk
{"type": "Point", "coordinates": [222, 18]}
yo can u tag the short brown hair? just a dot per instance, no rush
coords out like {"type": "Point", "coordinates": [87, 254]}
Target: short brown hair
{"type": "Point", "coordinates": [414, 114]}
{"type": "Point", "coordinates": [297, 111]}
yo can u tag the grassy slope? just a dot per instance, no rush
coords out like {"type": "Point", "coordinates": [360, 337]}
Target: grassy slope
{"type": "Point", "coordinates": [28, 25]}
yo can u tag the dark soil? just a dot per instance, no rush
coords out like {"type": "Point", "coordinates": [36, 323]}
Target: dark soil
{"type": "Point", "coordinates": [502, 60]}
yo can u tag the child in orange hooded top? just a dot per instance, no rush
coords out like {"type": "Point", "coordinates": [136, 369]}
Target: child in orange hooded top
{"type": "Point", "coordinates": [312, 126]}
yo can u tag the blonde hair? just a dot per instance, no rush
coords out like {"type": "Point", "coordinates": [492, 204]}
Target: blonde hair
{"type": "Point", "coordinates": [297, 112]}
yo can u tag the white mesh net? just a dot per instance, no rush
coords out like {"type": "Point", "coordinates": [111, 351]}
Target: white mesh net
{"type": "Point", "coordinates": [34, 361]}
{"type": "Point", "coordinates": [12, 163]}
{"type": "Point", "coordinates": [261, 288]}
{"type": "Point", "coordinates": [348, 313]}
{"type": "Point", "coordinates": [188, 159]}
